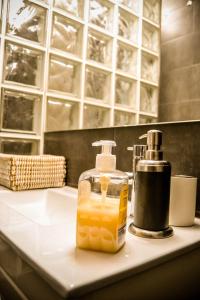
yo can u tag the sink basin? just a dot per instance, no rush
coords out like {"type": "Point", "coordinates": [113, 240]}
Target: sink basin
{"type": "Point", "coordinates": [38, 249]}
{"type": "Point", "coordinates": [45, 207]}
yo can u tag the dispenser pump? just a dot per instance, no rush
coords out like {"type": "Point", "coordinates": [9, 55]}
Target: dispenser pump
{"type": "Point", "coordinates": [105, 161]}
{"type": "Point", "coordinates": [154, 142]}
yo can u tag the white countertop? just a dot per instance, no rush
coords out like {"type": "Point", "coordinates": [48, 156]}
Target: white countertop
{"type": "Point", "coordinates": [50, 248]}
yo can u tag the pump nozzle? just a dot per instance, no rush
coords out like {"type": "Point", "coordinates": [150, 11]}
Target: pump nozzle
{"type": "Point", "coordinates": [105, 161]}
{"type": "Point", "coordinates": [106, 146]}
{"type": "Point", "coordinates": [144, 136]}
{"type": "Point", "coordinates": [154, 141]}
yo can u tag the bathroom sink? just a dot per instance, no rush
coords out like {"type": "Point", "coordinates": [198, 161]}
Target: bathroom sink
{"type": "Point", "coordinates": [38, 249]}
{"type": "Point", "coordinates": [44, 207]}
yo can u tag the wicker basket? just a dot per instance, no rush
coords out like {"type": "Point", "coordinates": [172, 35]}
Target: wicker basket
{"type": "Point", "coordinates": [24, 172]}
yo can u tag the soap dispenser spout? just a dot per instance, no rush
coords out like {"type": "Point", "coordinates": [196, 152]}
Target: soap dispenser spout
{"type": "Point", "coordinates": [144, 136]}
{"type": "Point", "coordinates": [154, 142]}
{"type": "Point", "coordinates": [105, 161]}
{"type": "Point", "coordinates": [106, 146]}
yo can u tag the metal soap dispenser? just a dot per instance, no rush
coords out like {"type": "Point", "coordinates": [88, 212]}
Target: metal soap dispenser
{"type": "Point", "coordinates": [152, 191]}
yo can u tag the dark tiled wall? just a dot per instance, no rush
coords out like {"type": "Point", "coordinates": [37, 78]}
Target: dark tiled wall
{"type": "Point", "coordinates": [181, 145]}
{"type": "Point", "coordinates": [180, 61]}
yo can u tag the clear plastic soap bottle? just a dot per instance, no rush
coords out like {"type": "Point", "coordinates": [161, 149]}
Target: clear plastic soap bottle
{"type": "Point", "coordinates": [102, 204]}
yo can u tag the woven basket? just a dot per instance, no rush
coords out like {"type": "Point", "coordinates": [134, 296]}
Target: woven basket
{"type": "Point", "coordinates": [24, 172]}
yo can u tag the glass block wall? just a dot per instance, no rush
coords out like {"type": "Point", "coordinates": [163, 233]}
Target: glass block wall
{"type": "Point", "coordinates": [72, 64]}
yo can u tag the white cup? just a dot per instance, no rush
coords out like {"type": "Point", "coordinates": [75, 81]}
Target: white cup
{"type": "Point", "coordinates": [182, 200]}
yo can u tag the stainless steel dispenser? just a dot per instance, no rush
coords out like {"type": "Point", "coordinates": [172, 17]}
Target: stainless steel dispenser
{"type": "Point", "coordinates": [152, 191]}
{"type": "Point", "coordinates": [139, 152]}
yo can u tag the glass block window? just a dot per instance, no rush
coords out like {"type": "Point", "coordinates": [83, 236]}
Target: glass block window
{"type": "Point", "coordinates": [151, 10]}
{"type": "Point", "coordinates": [66, 35]}
{"type": "Point", "coordinates": [101, 14]}
{"type": "Point", "coordinates": [95, 116]}
{"type": "Point", "coordinates": [144, 119]}
{"type": "Point", "coordinates": [26, 20]}
{"type": "Point", "coordinates": [127, 59]}
{"type": "Point", "coordinates": [63, 75]}
{"type": "Point", "coordinates": [67, 111]}
{"type": "Point", "coordinates": [149, 67]}
{"type": "Point", "coordinates": [148, 96]}
{"type": "Point", "coordinates": [150, 37]}
{"type": "Point", "coordinates": [20, 111]}
{"type": "Point", "coordinates": [22, 65]}
{"type": "Point", "coordinates": [1, 8]}
{"type": "Point", "coordinates": [132, 4]}
{"type": "Point", "coordinates": [74, 7]}
{"type": "Point", "coordinates": [97, 84]}
{"type": "Point", "coordinates": [125, 92]}
{"type": "Point", "coordinates": [128, 26]}
{"type": "Point", "coordinates": [99, 48]}
{"type": "Point", "coordinates": [73, 64]}
{"type": "Point", "coordinates": [18, 146]}
{"type": "Point", "coordinates": [124, 118]}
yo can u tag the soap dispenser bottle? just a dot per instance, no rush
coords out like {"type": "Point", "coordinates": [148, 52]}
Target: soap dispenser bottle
{"type": "Point", "coordinates": [152, 191]}
{"type": "Point", "coordinates": [102, 204]}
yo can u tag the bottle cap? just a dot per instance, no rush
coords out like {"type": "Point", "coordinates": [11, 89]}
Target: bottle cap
{"type": "Point", "coordinates": [105, 161]}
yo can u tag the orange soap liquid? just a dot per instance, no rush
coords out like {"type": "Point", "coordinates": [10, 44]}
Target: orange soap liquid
{"type": "Point", "coordinates": [98, 224]}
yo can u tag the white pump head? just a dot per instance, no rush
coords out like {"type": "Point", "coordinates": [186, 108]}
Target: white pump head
{"type": "Point", "coordinates": [105, 161]}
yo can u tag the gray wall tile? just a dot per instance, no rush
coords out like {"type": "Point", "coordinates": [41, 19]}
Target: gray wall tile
{"type": "Point", "coordinates": [76, 146]}
{"type": "Point", "coordinates": [196, 16]}
{"type": "Point", "coordinates": [185, 110]}
{"type": "Point", "coordinates": [181, 144]}
{"type": "Point", "coordinates": [179, 22]}
{"type": "Point", "coordinates": [180, 62]}
{"type": "Point", "coordinates": [184, 51]}
{"type": "Point", "coordinates": [174, 4]}
{"type": "Point", "coordinates": [179, 85]}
